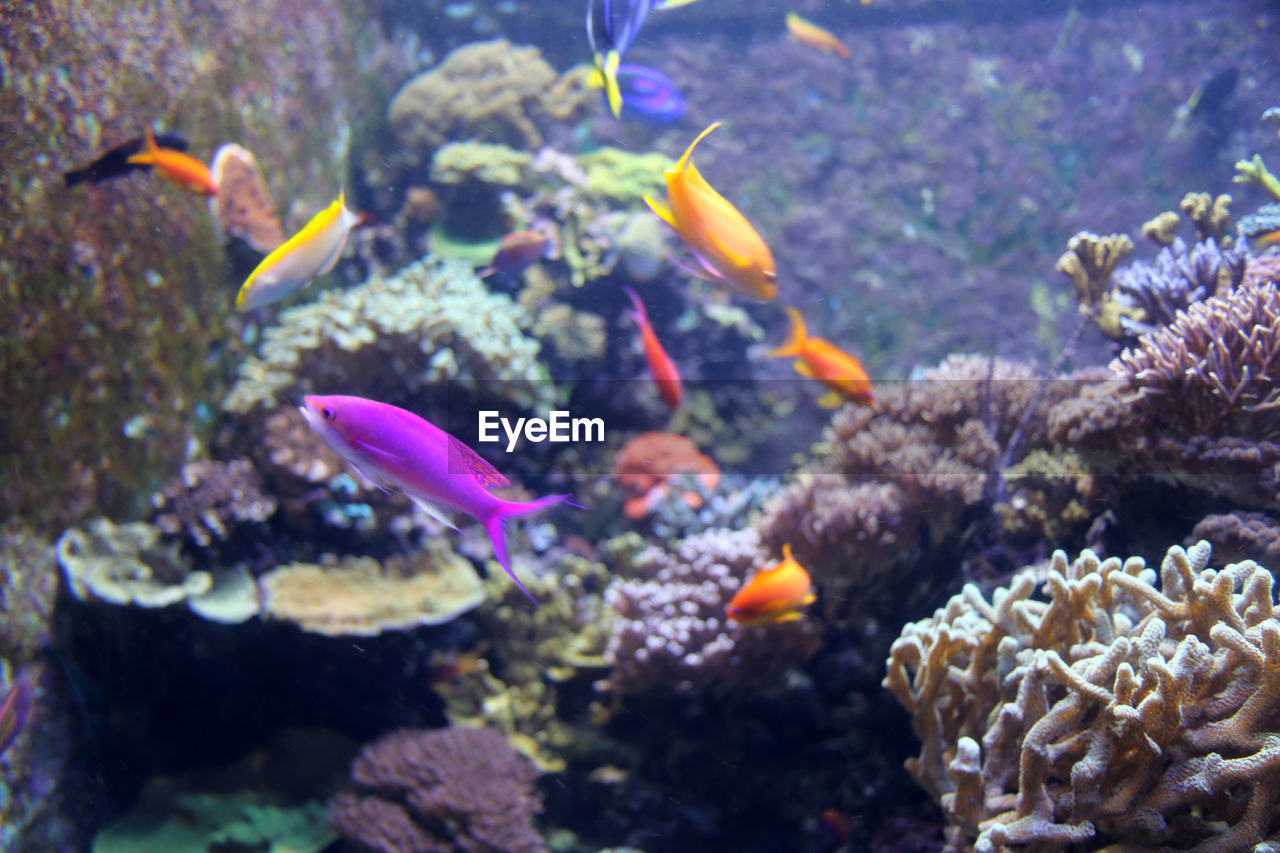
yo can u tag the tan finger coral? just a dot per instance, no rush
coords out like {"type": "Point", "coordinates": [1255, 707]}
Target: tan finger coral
{"type": "Point", "coordinates": [1122, 713]}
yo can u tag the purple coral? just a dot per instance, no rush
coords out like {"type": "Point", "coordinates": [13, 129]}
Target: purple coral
{"type": "Point", "coordinates": [454, 790]}
{"type": "Point", "coordinates": [672, 632]}
{"type": "Point", "coordinates": [1175, 280]}
{"type": "Point", "coordinates": [208, 499]}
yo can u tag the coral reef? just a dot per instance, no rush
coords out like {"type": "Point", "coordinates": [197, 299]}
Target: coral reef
{"type": "Point", "coordinates": [1117, 714]}
{"type": "Point", "coordinates": [492, 89]}
{"type": "Point", "coordinates": [671, 632]}
{"type": "Point", "coordinates": [1145, 296]}
{"type": "Point", "coordinates": [359, 596]}
{"type": "Point", "coordinates": [1240, 536]}
{"type": "Point", "coordinates": [123, 322]}
{"type": "Point", "coordinates": [208, 500]}
{"type": "Point", "coordinates": [647, 464]}
{"type": "Point", "coordinates": [393, 338]}
{"type": "Point", "coordinates": [455, 790]}
{"type": "Point", "coordinates": [127, 564]}
{"type": "Point", "coordinates": [1210, 371]}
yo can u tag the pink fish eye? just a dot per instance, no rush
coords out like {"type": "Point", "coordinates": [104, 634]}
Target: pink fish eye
{"type": "Point", "coordinates": [326, 413]}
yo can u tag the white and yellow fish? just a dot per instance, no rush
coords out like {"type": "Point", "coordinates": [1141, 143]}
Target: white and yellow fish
{"type": "Point", "coordinates": [311, 252]}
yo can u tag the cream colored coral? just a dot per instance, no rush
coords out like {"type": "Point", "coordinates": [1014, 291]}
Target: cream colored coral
{"type": "Point", "coordinates": [1121, 713]}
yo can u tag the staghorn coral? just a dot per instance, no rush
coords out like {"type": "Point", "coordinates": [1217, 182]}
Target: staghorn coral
{"type": "Point", "coordinates": [454, 790]}
{"type": "Point", "coordinates": [1254, 171]}
{"type": "Point", "coordinates": [360, 596]}
{"type": "Point", "coordinates": [1211, 371]}
{"type": "Point", "coordinates": [208, 500]}
{"type": "Point", "coordinates": [1161, 228]}
{"type": "Point", "coordinates": [392, 338]}
{"type": "Point", "coordinates": [489, 89]}
{"type": "Point", "coordinates": [1209, 214]}
{"type": "Point", "coordinates": [1089, 261]}
{"type": "Point", "coordinates": [1117, 714]}
{"type": "Point", "coordinates": [671, 632]}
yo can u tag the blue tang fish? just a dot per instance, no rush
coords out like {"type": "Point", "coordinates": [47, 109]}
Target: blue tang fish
{"type": "Point", "coordinates": [649, 94]}
{"type": "Point", "coordinates": [612, 26]}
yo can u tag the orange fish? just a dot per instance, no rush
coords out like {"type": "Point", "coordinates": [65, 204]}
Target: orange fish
{"type": "Point", "coordinates": [1266, 239]}
{"type": "Point", "coordinates": [183, 169]}
{"type": "Point", "coordinates": [823, 361]}
{"type": "Point", "coordinates": [720, 237]}
{"type": "Point", "coordinates": [774, 594]}
{"type": "Point", "coordinates": [809, 33]}
{"type": "Point", "coordinates": [665, 375]}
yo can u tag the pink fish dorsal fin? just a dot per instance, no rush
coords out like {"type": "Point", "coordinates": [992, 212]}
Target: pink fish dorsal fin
{"type": "Point", "coordinates": [463, 459]}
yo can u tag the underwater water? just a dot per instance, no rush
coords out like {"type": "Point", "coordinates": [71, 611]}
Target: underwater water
{"type": "Point", "coordinates": [672, 426]}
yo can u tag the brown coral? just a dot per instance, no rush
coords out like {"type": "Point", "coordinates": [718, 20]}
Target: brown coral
{"type": "Point", "coordinates": [1118, 714]}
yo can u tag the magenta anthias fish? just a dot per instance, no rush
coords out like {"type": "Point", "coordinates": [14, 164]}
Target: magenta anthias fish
{"type": "Point", "coordinates": [395, 449]}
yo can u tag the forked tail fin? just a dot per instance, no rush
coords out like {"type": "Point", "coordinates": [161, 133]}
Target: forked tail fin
{"type": "Point", "coordinates": [794, 344]}
{"type": "Point", "coordinates": [514, 509]}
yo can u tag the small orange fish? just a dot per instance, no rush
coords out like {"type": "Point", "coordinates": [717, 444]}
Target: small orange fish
{"type": "Point", "coordinates": [720, 237]}
{"type": "Point", "coordinates": [665, 375]}
{"type": "Point", "coordinates": [809, 33]}
{"type": "Point", "coordinates": [183, 169]}
{"type": "Point", "coordinates": [774, 594]}
{"type": "Point", "coordinates": [516, 252]}
{"type": "Point", "coordinates": [1266, 239]}
{"type": "Point", "coordinates": [823, 361]}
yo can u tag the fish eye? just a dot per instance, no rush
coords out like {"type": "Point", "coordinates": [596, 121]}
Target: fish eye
{"type": "Point", "coordinates": [326, 413]}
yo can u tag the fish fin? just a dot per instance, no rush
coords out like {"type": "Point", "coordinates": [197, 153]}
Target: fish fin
{"type": "Point", "coordinates": [711, 276]}
{"type": "Point", "coordinates": [486, 272]}
{"type": "Point", "coordinates": [789, 616]}
{"type": "Point", "coordinates": [831, 400]}
{"type": "Point", "coordinates": [664, 212]}
{"type": "Point", "coordinates": [639, 314]}
{"type": "Point", "coordinates": [76, 176]}
{"type": "Point", "coordinates": [809, 598]}
{"type": "Point", "coordinates": [803, 369]}
{"type": "Point", "coordinates": [365, 478]}
{"type": "Point", "coordinates": [432, 510]}
{"type": "Point", "coordinates": [464, 460]}
{"type": "Point", "coordinates": [688, 152]}
{"type": "Point", "coordinates": [513, 509]}
{"type": "Point", "coordinates": [794, 344]}
{"type": "Point", "coordinates": [611, 89]}
{"type": "Point", "coordinates": [786, 552]}
{"type": "Point", "coordinates": [671, 4]}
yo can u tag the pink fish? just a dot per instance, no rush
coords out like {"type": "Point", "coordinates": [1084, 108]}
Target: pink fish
{"type": "Point", "coordinates": [394, 448]}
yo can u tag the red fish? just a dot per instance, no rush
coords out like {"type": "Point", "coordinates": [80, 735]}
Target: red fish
{"type": "Point", "coordinates": [775, 594]}
{"type": "Point", "coordinates": [14, 711]}
{"type": "Point", "coordinates": [183, 169]}
{"type": "Point", "coordinates": [518, 251]}
{"type": "Point", "coordinates": [665, 375]}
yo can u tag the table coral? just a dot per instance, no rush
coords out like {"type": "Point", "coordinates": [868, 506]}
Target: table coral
{"type": "Point", "coordinates": [360, 596]}
{"type": "Point", "coordinates": [454, 790]}
{"type": "Point", "coordinates": [127, 564]}
{"type": "Point", "coordinates": [1121, 713]}
{"type": "Point", "coordinates": [393, 338]}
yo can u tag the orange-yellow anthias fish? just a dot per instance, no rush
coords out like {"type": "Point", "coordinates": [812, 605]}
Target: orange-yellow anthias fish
{"type": "Point", "coordinates": [720, 237]}
{"type": "Point", "coordinates": [775, 594]}
{"type": "Point", "coordinates": [823, 361]}
{"type": "Point", "coordinates": [809, 33]}
{"type": "Point", "coordinates": [183, 169]}
{"type": "Point", "coordinates": [311, 252]}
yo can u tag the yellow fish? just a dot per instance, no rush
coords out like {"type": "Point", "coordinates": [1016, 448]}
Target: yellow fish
{"type": "Point", "coordinates": [311, 252]}
{"type": "Point", "coordinates": [720, 237]}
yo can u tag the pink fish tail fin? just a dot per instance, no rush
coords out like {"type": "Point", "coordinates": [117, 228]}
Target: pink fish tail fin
{"type": "Point", "coordinates": [638, 312]}
{"type": "Point", "coordinates": [794, 344]}
{"type": "Point", "coordinates": [514, 509]}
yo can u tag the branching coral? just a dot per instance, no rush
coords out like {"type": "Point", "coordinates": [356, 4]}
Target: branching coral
{"type": "Point", "coordinates": [671, 632]}
{"type": "Point", "coordinates": [207, 500]}
{"type": "Point", "coordinates": [1254, 171]}
{"type": "Point", "coordinates": [454, 790]}
{"type": "Point", "coordinates": [392, 338]}
{"type": "Point", "coordinates": [1145, 296]}
{"type": "Point", "coordinates": [1212, 371]}
{"type": "Point", "coordinates": [1117, 715]}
